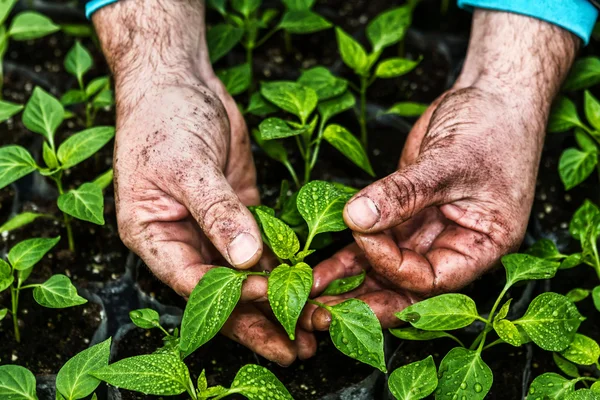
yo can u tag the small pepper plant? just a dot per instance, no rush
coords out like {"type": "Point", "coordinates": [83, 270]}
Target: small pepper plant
{"type": "Point", "coordinates": [243, 24]}
{"type": "Point", "coordinates": [551, 322]}
{"type": "Point", "coordinates": [385, 30]}
{"type": "Point", "coordinates": [43, 114]}
{"type": "Point", "coordinates": [56, 292]}
{"type": "Point", "coordinates": [26, 25]}
{"type": "Point", "coordinates": [316, 89]}
{"type": "Point", "coordinates": [96, 94]}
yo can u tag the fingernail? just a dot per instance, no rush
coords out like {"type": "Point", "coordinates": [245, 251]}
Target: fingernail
{"type": "Point", "coordinates": [242, 248]}
{"type": "Point", "coordinates": [363, 212]}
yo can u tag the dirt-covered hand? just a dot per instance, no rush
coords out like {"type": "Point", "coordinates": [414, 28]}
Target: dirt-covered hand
{"type": "Point", "coordinates": [463, 191]}
{"type": "Point", "coordinates": [184, 173]}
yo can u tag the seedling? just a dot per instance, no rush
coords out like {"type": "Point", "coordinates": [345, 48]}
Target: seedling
{"type": "Point", "coordinates": [316, 89]}
{"type": "Point", "coordinates": [385, 30]}
{"type": "Point", "coordinates": [96, 94]}
{"type": "Point", "coordinates": [43, 114]}
{"type": "Point", "coordinates": [577, 164]}
{"type": "Point", "coordinates": [551, 322]}
{"type": "Point", "coordinates": [26, 25]}
{"type": "Point", "coordinates": [56, 292]}
{"type": "Point", "coordinates": [243, 24]}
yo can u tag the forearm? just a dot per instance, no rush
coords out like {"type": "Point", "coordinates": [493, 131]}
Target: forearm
{"type": "Point", "coordinates": [519, 54]}
{"type": "Point", "coordinates": [153, 42]}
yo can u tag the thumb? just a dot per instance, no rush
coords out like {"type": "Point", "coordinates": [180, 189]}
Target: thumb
{"type": "Point", "coordinates": [397, 197]}
{"type": "Point", "coordinates": [222, 217]}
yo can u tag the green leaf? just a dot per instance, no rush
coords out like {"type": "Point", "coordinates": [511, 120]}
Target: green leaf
{"type": "Point", "coordinates": [292, 97]}
{"type": "Point", "coordinates": [550, 386]}
{"type": "Point", "coordinates": [551, 321]}
{"type": "Point", "coordinates": [596, 297]}
{"type": "Point", "coordinates": [503, 312]}
{"type": "Point", "coordinates": [583, 394]}
{"type": "Point", "coordinates": [96, 85]}
{"type": "Point", "coordinates": [8, 109]}
{"type": "Point", "coordinates": [236, 79]}
{"type": "Point", "coordinates": [27, 253]}
{"type": "Point", "coordinates": [414, 381]}
{"type": "Point", "coordinates": [289, 288]}
{"type": "Point", "coordinates": [209, 306]}
{"type": "Point", "coordinates": [353, 54]}
{"type": "Point", "coordinates": [74, 96]}
{"type": "Point", "coordinates": [49, 157]}
{"type": "Point", "coordinates": [595, 387]}
{"type": "Point", "coordinates": [245, 7]}
{"type": "Point", "coordinates": [546, 249]}
{"type": "Point", "coordinates": [347, 144]}
{"type": "Point", "coordinates": [571, 261]}
{"type": "Point", "coordinates": [335, 106]}
{"type": "Point", "coordinates": [104, 180]}
{"type": "Point", "coordinates": [563, 116]}
{"type": "Point", "coordinates": [298, 4]}
{"type": "Point", "coordinates": [43, 114]}
{"type": "Point", "coordinates": [585, 141]}
{"type": "Point", "coordinates": [15, 163]}
{"type": "Point", "coordinates": [323, 82]}
{"type": "Point", "coordinates": [3, 313]}
{"type": "Point", "coordinates": [258, 383]}
{"type": "Point", "coordinates": [104, 99]}
{"type": "Point", "coordinates": [584, 74]}
{"type": "Point", "coordinates": [218, 5]}
{"type": "Point", "coordinates": [16, 383]}
{"type": "Point", "coordinates": [575, 166]}
{"type": "Point", "coordinates": [356, 332]}
{"type": "Point", "coordinates": [444, 312]}
{"type": "Point", "coordinates": [407, 109]}
{"type": "Point", "coordinates": [74, 380]}
{"type": "Point", "coordinates": [394, 67]}
{"type": "Point", "coordinates": [411, 333]}
{"type": "Point", "coordinates": [344, 285]}
{"type": "Point", "coordinates": [259, 106]}
{"type": "Point", "coordinates": [321, 205]}
{"type": "Point", "coordinates": [29, 25]}
{"type": "Point", "coordinates": [145, 318]}
{"type": "Point", "coordinates": [582, 350]}
{"type": "Point", "coordinates": [221, 39]}
{"type": "Point", "coordinates": [154, 374]}
{"type": "Point", "coordinates": [303, 21]}
{"type": "Point", "coordinates": [583, 217]}
{"type": "Point", "coordinates": [389, 27]}
{"type": "Point", "coordinates": [6, 7]}
{"type": "Point", "coordinates": [508, 332]}
{"type": "Point", "coordinates": [578, 294]}
{"type": "Point", "coordinates": [84, 144]}
{"type": "Point", "coordinates": [273, 148]}
{"type": "Point", "coordinates": [524, 267]}
{"type": "Point", "coordinates": [78, 61]}
{"type": "Point", "coordinates": [6, 275]}
{"type": "Point", "coordinates": [276, 128]}
{"type": "Point", "coordinates": [85, 203]}
{"type": "Point", "coordinates": [567, 367]}
{"type": "Point", "coordinates": [462, 372]}
{"type": "Point", "coordinates": [57, 292]}
{"type": "Point", "coordinates": [78, 30]}
{"type": "Point", "coordinates": [592, 109]}
{"type": "Point", "coordinates": [282, 239]}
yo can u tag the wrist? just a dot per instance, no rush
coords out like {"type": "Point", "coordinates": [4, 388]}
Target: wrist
{"type": "Point", "coordinates": [518, 57]}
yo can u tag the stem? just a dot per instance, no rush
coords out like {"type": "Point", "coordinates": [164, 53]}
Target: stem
{"type": "Point", "coordinates": [88, 115]}
{"type": "Point", "coordinates": [309, 240]}
{"type": "Point", "coordinates": [257, 273]}
{"type": "Point", "coordinates": [267, 36]}
{"type": "Point", "coordinates": [317, 144]}
{"type": "Point", "coordinates": [290, 168]}
{"type": "Point", "coordinates": [316, 303]}
{"type": "Point", "coordinates": [14, 297]}
{"type": "Point", "coordinates": [457, 340]}
{"type": "Point", "coordinates": [362, 117]}
{"type": "Point", "coordinates": [488, 322]}
{"type": "Point", "coordinates": [190, 389]}
{"type": "Point", "coordinates": [66, 218]}
{"type": "Point", "coordinates": [32, 286]}
{"type": "Point", "coordinates": [288, 42]}
{"type": "Point", "coordinates": [497, 341]}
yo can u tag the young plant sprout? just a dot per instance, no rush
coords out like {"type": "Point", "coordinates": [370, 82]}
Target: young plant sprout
{"type": "Point", "coordinates": [56, 292]}
{"type": "Point", "coordinates": [43, 114]}
{"type": "Point", "coordinates": [96, 94]}
{"type": "Point", "coordinates": [385, 30]}
{"type": "Point", "coordinates": [26, 25]}
{"type": "Point", "coordinates": [551, 322]}
{"type": "Point", "coordinates": [316, 89]}
{"type": "Point", "coordinates": [244, 23]}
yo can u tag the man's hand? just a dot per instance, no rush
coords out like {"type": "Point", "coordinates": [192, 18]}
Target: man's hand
{"type": "Point", "coordinates": [463, 192]}
{"type": "Point", "coordinates": [183, 167]}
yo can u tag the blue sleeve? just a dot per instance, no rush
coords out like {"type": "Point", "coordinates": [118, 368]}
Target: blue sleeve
{"type": "Point", "coordinates": [94, 5]}
{"type": "Point", "coordinates": [576, 16]}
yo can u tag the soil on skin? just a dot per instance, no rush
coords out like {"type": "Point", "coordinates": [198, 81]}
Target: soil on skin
{"type": "Point", "coordinates": [327, 372]}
